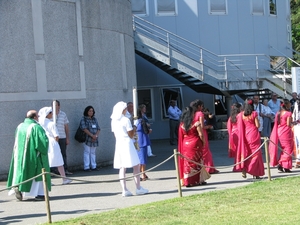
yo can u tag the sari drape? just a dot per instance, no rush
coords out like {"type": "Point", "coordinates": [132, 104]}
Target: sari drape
{"type": "Point", "coordinates": [249, 142]}
{"type": "Point", "coordinates": [281, 134]}
{"type": "Point", "coordinates": [190, 146]}
{"type": "Point", "coordinates": [233, 139]}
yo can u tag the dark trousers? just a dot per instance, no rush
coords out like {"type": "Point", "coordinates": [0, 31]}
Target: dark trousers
{"type": "Point", "coordinates": [63, 148]}
{"type": "Point", "coordinates": [174, 124]}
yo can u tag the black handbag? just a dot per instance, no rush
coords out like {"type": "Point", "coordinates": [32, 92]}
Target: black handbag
{"type": "Point", "coordinates": [80, 135]}
{"type": "Point", "coordinates": [145, 126]}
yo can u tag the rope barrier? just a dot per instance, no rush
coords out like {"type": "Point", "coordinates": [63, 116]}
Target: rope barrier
{"type": "Point", "coordinates": [224, 167]}
{"type": "Point", "coordinates": [86, 181]}
{"type": "Point", "coordinates": [152, 168]}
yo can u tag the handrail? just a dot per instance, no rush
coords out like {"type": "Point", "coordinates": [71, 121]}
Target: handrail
{"type": "Point", "coordinates": [285, 55]}
{"type": "Point", "coordinates": [160, 28]}
{"type": "Point", "coordinates": [238, 67]}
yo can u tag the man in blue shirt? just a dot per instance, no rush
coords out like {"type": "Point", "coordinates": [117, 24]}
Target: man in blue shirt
{"type": "Point", "coordinates": [174, 116]}
{"type": "Point", "coordinates": [274, 105]}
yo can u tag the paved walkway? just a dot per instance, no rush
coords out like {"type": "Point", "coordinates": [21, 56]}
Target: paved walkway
{"type": "Point", "coordinates": [78, 198]}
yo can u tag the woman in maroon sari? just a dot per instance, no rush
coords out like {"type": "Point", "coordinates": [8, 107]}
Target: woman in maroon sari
{"type": "Point", "coordinates": [232, 128]}
{"type": "Point", "coordinates": [249, 142]}
{"type": "Point", "coordinates": [282, 133]}
{"type": "Point", "coordinates": [189, 145]}
{"type": "Point", "coordinates": [198, 107]}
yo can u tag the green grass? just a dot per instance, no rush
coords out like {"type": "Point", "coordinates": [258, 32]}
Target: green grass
{"type": "Point", "coordinates": [264, 202]}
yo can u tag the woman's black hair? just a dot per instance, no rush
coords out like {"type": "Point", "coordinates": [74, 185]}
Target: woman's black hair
{"type": "Point", "coordinates": [187, 117]}
{"type": "Point", "coordinates": [139, 112]}
{"type": "Point", "coordinates": [85, 113]}
{"type": "Point", "coordinates": [248, 107]}
{"type": "Point", "coordinates": [235, 109]}
{"type": "Point", "coordinates": [283, 106]}
{"type": "Point", "coordinates": [196, 103]}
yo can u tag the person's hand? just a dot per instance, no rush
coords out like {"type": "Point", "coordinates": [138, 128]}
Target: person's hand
{"type": "Point", "coordinates": [150, 131]}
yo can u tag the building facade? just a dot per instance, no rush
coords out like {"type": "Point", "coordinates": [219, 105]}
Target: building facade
{"type": "Point", "coordinates": [79, 52]}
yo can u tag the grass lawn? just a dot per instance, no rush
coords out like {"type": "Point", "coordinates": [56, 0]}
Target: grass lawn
{"type": "Point", "coordinates": [260, 203]}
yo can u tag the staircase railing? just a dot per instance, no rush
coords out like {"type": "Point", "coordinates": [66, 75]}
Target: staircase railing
{"type": "Point", "coordinates": [233, 67]}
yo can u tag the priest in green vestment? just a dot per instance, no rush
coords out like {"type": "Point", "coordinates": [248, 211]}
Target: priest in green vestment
{"type": "Point", "coordinates": [30, 155]}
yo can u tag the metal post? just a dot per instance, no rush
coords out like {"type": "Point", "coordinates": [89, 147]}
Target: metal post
{"type": "Point", "coordinates": [201, 62]}
{"type": "Point", "coordinates": [256, 65]}
{"type": "Point", "coordinates": [168, 41]}
{"type": "Point", "coordinates": [267, 157]}
{"type": "Point", "coordinates": [177, 172]}
{"type": "Point", "coordinates": [46, 195]}
{"type": "Point", "coordinates": [226, 75]}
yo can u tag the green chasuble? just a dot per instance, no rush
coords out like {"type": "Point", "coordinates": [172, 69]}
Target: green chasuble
{"type": "Point", "coordinates": [30, 155]}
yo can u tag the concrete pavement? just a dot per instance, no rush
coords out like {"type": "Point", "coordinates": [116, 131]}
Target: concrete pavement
{"type": "Point", "coordinates": [100, 191]}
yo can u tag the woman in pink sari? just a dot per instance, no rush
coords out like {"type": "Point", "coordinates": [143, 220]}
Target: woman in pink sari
{"type": "Point", "coordinates": [198, 106]}
{"type": "Point", "coordinates": [232, 128]}
{"type": "Point", "coordinates": [282, 133]}
{"type": "Point", "coordinates": [190, 138]}
{"type": "Point", "coordinates": [249, 142]}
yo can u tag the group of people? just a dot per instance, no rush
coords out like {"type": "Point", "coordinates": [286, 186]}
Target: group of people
{"type": "Point", "coordinates": [195, 162]}
{"type": "Point", "coordinates": [39, 143]}
{"type": "Point", "coordinates": [274, 119]}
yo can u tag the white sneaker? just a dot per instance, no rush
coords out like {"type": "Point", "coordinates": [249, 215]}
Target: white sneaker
{"type": "Point", "coordinates": [126, 193]}
{"type": "Point", "coordinates": [141, 191]}
{"type": "Point", "coordinates": [66, 181]}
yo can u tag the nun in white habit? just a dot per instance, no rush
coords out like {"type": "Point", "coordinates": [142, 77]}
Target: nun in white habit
{"type": "Point", "coordinates": [125, 152]}
{"type": "Point", "coordinates": [54, 152]}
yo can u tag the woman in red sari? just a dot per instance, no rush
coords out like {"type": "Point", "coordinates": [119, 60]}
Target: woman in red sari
{"type": "Point", "coordinates": [249, 142]}
{"type": "Point", "coordinates": [232, 128]}
{"type": "Point", "coordinates": [190, 138]}
{"type": "Point", "coordinates": [282, 133]}
{"type": "Point", "coordinates": [198, 106]}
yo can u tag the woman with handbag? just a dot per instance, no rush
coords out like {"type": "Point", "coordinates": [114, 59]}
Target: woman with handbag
{"type": "Point", "coordinates": [90, 126]}
{"type": "Point", "coordinates": [125, 151]}
{"type": "Point", "coordinates": [143, 130]}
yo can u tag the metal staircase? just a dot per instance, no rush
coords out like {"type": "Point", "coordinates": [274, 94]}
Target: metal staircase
{"type": "Point", "coordinates": [204, 71]}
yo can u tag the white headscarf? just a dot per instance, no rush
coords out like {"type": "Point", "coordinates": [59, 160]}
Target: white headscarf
{"type": "Point", "coordinates": [43, 112]}
{"type": "Point", "coordinates": [117, 110]}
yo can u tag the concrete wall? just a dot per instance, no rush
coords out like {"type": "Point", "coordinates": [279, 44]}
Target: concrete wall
{"type": "Point", "coordinates": [80, 52]}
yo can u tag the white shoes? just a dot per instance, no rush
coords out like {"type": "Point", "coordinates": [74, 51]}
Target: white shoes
{"type": "Point", "coordinates": [126, 193]}
{"type": "Point", "coordinates": [66, 181]}
{"type": "Point", "coordinates": [141, 191]}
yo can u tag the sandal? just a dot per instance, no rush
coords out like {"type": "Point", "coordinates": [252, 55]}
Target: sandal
{"type": "Point", "coordinates": [244, 175]}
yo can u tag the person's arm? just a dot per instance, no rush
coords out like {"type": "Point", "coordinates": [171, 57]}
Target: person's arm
{"type": "Point", "coordinates": [131, 132]}
{"type": "Point", "coordinates": [67, 133]}
{"type": "Point", "coordinates": [257, 122]}
{"type": "Point", "coordinates": [200, 133]}
{"type": "Point", "coordinates": [289, 121]}
{"type": "Point", "coordinates": [172, 112]}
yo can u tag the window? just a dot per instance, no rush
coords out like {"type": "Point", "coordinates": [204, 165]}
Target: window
{"type": "Point", "coordinates": [258, 7]}
{"type": "Point", "coordinates": [139, 7]}
{"type": "Point", "coordinates": [168, 94]}
{"type": "Point", "coordinates": [218, 7]}
{"type": "Point", "coordinates": [273, 10]}
{"type": "Point", "coordinates": [165, 7]}
{"type": "Point", "coordinates": [145, 97]}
